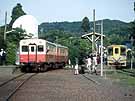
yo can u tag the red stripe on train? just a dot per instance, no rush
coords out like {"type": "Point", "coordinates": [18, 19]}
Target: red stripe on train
{"type": "Point", "coordinates": [33, 58]}
{"type": "Point", "coordinates": [42, 58]}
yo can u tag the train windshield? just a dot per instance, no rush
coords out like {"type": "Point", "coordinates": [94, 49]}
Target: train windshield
{"type": "Point", "coordinates": [40, 48]}
{"type": "Point", "coordinates": [123, 51]}
{"type": "Point", "coordinates": [24, 48]}
{"type": "Point", "coordinates": [110, 51]}
{"type": "Point", "coordinates": [116, 50]}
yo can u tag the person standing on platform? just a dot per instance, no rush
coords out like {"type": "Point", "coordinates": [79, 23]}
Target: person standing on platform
{"type": "Point", "coordinates": [89, 63]}
{"type": "Point", "coordinates": [76, 67]}
{"type": "Point", "coordinates": [3, 57]}
{"type": "Point", "coordinates": [94, 63]}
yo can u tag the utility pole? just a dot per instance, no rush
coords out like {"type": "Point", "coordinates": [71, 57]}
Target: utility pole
{"type": "Point", "coordinates": [132, 52]}
{"type": "Point", "coordinates": [102, 48]}
{"type": "Point", "coordinates": [5, 26]}
{"type": "Point", "coordinates": [93, 36]}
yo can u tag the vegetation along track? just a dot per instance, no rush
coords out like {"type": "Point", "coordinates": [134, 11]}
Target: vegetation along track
{"type": "Point", "coordinates": [10, 87]}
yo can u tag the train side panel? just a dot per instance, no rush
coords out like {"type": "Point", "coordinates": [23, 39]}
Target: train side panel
{"type": "Point", "coordinates": [62, 54]}
{"type": "Point", "coordinates": [51, 52]}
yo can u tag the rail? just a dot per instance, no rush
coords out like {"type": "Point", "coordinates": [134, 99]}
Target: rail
{"type": "Point", "coordinates": [2, 84]}
{"type": "Point", "coordinates": [17, 88]}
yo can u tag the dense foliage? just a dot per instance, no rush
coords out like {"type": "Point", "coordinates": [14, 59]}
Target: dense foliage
{"type": "Point", "coordinates": [12, 38]}
{"type": "Point", "coordinates": [16, 12]}
{"type": "Point", "coordinates": [85, 24]}
{"type": "Point", "coordinates": [75, 27]}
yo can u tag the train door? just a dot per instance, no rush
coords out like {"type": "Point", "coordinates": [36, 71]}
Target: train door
{"type": "Point", "coordinates": [116, 53]}
{"type": "Point", "coordinates": [32, 53]}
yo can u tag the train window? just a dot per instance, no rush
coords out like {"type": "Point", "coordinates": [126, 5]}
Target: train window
{"type": "Point", "coordinates": [32, 49]}
{"type": "Point", "coordinates": [123, 51]}
{"type": "Point", "coordinates": [40, 48]}
{"type": "Point", "coordinates": [110, 51]}
{"type": "Point", "coordinates": [116, 50]}
{"type": "Point", "coordinates": [24, 48]}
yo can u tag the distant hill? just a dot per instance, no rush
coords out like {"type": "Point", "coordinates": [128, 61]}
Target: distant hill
{"type": "Point", "coordinates": [110, 26]}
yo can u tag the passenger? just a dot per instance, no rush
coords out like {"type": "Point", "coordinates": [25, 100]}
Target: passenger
{"type": "Point", "coordinates": [0, 58]}
{"type": "Point", "coordinates": [3, 57]}
{"type": "Point", "coordinates": [76, 67]}
{"type": "Point", "coordinates": [89, 63]}
{"type": "Point", "coordinates": [69, 63]}
{"type": "Point", "coordinates": [98, 59]}
{"type": "Point", "coordinates": [94, 66]}
{"type": "Point", "coordinates": [105, 58]}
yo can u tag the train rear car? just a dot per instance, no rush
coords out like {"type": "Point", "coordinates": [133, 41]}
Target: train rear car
{"type": "Point", "coordinates": [117, 55]}
{"type": "Point", "coordinates": [62, 55]}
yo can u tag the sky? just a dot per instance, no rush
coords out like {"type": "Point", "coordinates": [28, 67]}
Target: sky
{"type": "Point", "coordinates": [71, 10]}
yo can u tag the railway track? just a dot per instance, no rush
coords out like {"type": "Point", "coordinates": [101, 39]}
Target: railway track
{"type": "Point", "coordinates": [10, 87]}
{"type": "Point", "coordinates": [2, 84]}
{"type": "Point", "coordinates": [91, 79]}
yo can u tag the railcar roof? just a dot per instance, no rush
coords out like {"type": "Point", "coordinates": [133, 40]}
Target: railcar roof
{"type": "Point", "coordinates": [35, 39]}
{"type": "Point", "coordinates": [117, 46]}
{"type": "Point", "coordinates": [58, 45]}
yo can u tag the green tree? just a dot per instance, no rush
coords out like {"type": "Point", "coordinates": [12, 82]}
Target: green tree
{"type": "Point", "coordinates": [85, 24]}
{"type": "Point", "coordinates": [16, 13]}
{"type": "Point", "coordinates": [17, 35]}
{"type": "Point", "coordinates": [12, 44]}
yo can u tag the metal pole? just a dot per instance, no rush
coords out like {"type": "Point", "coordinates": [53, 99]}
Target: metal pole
{"type": "Point", "coordinates": [93, 36]}
{"type": "Point", "coordinates": [5, 26]}
{"type": "Point", "coordinates": [132, 52]}
{"type": "Point", "coordinates": [102, 48]}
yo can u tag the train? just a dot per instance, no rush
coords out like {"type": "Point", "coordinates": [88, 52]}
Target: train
{"type": "Point", "coordinates": [117, 55]}
{"type": "Point", "coordinates": [40, 55]}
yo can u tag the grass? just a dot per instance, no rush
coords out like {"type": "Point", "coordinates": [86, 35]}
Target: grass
{"type": "Point", "coordinates": [124, 77]}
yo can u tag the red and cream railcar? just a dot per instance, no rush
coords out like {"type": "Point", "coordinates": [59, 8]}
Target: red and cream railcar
{"type": "Point", "coordinates": [39, 54]}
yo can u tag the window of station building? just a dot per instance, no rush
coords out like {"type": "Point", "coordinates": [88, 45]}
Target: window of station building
{"type": "Point", "coordinates": [24, 48]}
{"type": "Point", "coordinates": [116, 50]}
{"type": "Point", "coordinates": [123, 51]}
{"type": "Point", "coordinates": [40, 48]}
{"type": "Point", "coordinates": [110, 51]}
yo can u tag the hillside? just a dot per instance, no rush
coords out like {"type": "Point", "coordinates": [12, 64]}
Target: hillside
{"type": "Point", "coordinates": [110, 26]}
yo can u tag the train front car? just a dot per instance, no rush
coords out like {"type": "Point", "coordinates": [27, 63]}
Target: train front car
{"type": "Point", "coordinates": [117, 55]}
{"type": "Point", "coordinates": [32, 54]}
{"type": "Point", "coordinates": [40, 55]}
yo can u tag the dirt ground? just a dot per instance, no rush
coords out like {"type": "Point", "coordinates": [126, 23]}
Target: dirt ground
{"type": "Point", "coordinates": [63, 85]}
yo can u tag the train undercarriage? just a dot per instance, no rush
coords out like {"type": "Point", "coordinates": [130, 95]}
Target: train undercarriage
{"type": "Point", "coordinates": [40, 67]}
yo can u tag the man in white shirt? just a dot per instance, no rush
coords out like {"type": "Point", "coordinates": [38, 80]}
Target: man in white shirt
{"type": "Point", "coordinates": [76, 67]}
{"type": "Point", "coordinates": [89, 63]}
{"type": "Point", "coordinates": [2, 56]}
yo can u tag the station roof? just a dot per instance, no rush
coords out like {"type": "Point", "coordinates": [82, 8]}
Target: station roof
{"type": "Point", "coordinates": [90, 34]}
